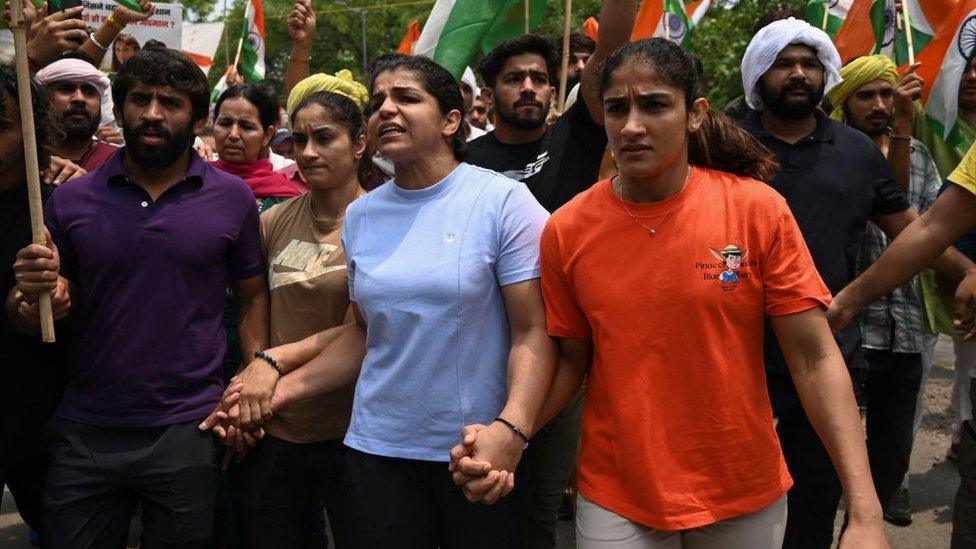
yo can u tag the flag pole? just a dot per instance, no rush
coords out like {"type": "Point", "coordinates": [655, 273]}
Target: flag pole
{"type": "Point", "coordinates": [665, 19]}
{"type": "Point", "coordinates": [528, 13]}
{"type": "Point", "coordinates": [906, 19]}
{"type": "Point", "coordinates": [826, 16]}
{"type": "Point", "coordinates": [226, 37]}
{"type": "Point", "coordinates": [567, 27]}
{"type": "Point", "coordinates": [240, 43]}
{"type": "Point", "coordinates": [19, 27]}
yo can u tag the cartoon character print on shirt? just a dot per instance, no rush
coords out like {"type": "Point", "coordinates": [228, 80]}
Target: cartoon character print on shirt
{"type": "Point", "coordinates": [731, 260]}
{"type": "Point", "coordinates": [306, 260]}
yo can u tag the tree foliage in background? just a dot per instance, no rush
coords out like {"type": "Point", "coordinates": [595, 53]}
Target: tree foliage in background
{"type": "Point", "coordinates": [720, 40]}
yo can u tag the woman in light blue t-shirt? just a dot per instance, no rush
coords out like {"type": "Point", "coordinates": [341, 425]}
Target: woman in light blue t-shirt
{"type": "Point", "coordinates": [444, 277]}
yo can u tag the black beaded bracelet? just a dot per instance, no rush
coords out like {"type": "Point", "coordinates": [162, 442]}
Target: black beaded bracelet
{"type": "Point", "coordinates": [515, 430]}
{"type": "Point", "coordinates": [270, 360]}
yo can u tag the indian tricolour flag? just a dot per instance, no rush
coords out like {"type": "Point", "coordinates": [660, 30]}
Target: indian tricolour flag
{"type": "Point", "coordinates": [662, 19]}
{"type": "Point", "coordinates": [869, 27]}
{"type": "Point", "coordinates": [926, 17]}
{"type": "Point", "coordinates": [251, 63]}
{"type": "Point", "coordinates": [943, 62]}
{"type": "Point", "coordinates": [457, 29]}
{"type": "Point", "coordinates": [835, 16]}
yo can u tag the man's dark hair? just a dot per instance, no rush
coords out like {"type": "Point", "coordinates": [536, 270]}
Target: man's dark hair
{"type": "Point", "coordinates": [164, 67]}
{"type": "Point", "coordinates": [578, 43]}
{"type": "Point", "coordinates": [772, 16]}
{"type": "Point", "coordinates": [436, 81]}
{"type": "Point", "coordinates": [46, 130]}
{"type": "Point", "coordinates": [491, 66]}
{"type": "Point", "coordinates": [263, 98]}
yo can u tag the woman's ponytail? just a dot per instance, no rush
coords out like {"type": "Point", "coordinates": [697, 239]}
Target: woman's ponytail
{"type": "Point", "coordinates": [721, 144]}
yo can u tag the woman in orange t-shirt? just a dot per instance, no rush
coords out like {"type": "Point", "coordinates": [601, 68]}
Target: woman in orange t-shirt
{"type": "Point", "coordinates": [658, 283]}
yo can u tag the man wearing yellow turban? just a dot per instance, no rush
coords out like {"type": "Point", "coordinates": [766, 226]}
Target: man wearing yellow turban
{"type": "Point", "coordinates": [897, 343]}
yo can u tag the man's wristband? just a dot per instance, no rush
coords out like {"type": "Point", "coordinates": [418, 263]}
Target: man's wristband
{"type": "Point", "coordinates": [270, 360]}
{"type": "Point", "coordinates": [515, 429]}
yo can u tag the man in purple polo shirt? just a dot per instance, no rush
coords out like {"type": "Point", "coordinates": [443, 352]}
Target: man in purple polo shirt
{"type": "Point", "coordinates": [146, 247]}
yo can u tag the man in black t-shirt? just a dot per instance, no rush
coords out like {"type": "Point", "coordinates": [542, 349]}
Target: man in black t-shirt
{"type": "Point", "coordinates": [556, 163]}
{"type": "Point", "coordinates": [33, 376]}
{"type": "Point", "coordinates": [835, 180]}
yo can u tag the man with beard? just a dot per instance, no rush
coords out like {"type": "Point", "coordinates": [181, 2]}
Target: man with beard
{"type": "Point", "coordinates": [30, 391]}
{"type": "Point", "coordinates": [895, 338]}
{"type": "Point", "coordinates": [145, 246]}
{"type": "Point", "coordinates": [76, 89]}
{"type": "Point", "coordinates": [556, 163]}
{"type": "Point", "coordinates": [581, 48]}
{"type": "Point", "coordinates": [835, 180]}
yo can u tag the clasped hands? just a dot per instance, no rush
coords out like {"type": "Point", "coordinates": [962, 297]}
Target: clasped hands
{"type": "Point", "coordinates": [243, 409]}
{"type": "Point", "coordinates": [484, 463]}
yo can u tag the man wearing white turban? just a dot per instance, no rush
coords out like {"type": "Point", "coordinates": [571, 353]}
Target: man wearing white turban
{"type": "Point", "coordinates": [76, 88]}
{"type": "Point", "coordinates": [835, 180]}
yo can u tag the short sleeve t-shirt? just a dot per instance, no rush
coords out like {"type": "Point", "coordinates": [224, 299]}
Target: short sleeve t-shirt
{"type": "Point", "coordinates": [677, 430]}
{"type": "Point", "coordinates": [426, 268]}
{"type": "Point", "coordinates": [555, 168]}
{"type": "Point", "coordinates": [152, 276]}
{"type": "Point", "coordinates": [965, 173]}
{"type": "Point", "coordinates": [309, 294]}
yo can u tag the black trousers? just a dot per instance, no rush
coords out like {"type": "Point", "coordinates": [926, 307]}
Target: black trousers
{"type": "Point", "coordinates": [23, 468]}
{"type": "Point", "coordinates": [281, 488]}
{"type": "Point", "coordinates": [891, 388]}
{"type": "Point", "coordinates": [99, 475]}
{"type": "Point", "coordinates": [412, 504]}
{"type": "Point", "coordinates": [890, 395]}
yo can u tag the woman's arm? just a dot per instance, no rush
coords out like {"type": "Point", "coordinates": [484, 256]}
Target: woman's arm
{"type": "Point", "coordinates": [337, 365]}
{"type": "Point", "coordinates": [824, 386]}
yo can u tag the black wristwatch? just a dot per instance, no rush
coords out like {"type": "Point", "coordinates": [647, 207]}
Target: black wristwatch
{"type": "Point", "coordinates": [270, 360]}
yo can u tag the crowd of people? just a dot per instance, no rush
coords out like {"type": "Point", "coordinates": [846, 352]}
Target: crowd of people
{"type": "Point", "coordinates": [412, 312]}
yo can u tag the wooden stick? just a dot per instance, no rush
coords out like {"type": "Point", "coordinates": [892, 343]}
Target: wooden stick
{"type": "Point", "coordinates": [908, 31]}
{"type": "Point", "coordinates": [19, 27]}
{"type": "Point", "coordinates": [567, 27]}
{"type": "Point", "coordinates": [826, 17]}
{"type": "Point", "coordinates": [528, 13]}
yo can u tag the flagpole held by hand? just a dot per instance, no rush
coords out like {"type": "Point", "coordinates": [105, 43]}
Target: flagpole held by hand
{"type": "Point", "coordinates": [567, 27]}
{"type": "Point", "coordinates": [528, 14]}
{"type": "Point", "coordinates": [908, 32]}
{"type": "Point", "coordinates": [19, 27]}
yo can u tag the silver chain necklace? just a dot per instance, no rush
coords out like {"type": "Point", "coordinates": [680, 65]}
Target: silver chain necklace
{"type": "Point", "coordinates": [651, 231]}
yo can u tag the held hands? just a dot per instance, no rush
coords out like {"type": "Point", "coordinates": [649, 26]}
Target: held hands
{"type": "Point", "coordinates": [485, 461]}
{"type": "Point", "coordinates": [258, 382]}
{"type": "Point", "coordinates": [225, 423]}
{"type": "Point", "coordinates": [301, 23]}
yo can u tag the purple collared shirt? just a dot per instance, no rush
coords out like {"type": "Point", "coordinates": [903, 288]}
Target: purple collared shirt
{"type": "Point", "coordinates": [148, 341]}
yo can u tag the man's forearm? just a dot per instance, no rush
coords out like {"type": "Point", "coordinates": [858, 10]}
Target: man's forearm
{"type": "Point", "coordinates": [917, 246]}
{"type": "Point", "coordinates": [337, 365]}
{"type": "Point", "coordinates": [532, 365]}
{"type": "Point", "coordinates": [255, 313]}
{"type": "Point", "coordinates": [953, 265]}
